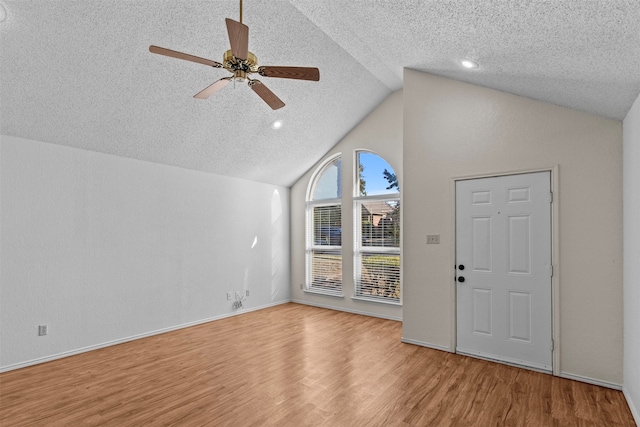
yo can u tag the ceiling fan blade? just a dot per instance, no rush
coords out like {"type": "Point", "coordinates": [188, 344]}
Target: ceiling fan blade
{"type": "Point", "coordinates": [179, 55]}
{"type": "Point", "coordinates": [299, 73]}
{"type": "Point", "coordinates": [211, 89]}
{"type": "Point", "coordinates": [266, 95]}
{"type": "Point", "coordinates": [239, 38]}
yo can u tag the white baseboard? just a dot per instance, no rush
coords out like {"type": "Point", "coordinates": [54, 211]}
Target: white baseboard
{"type": "Point", "coordinates": [132, 338]}
{"type": "Point", "coordinates": [332, 307]}
{"type": "Point", "coordinates": [632, 406]}
{"type": "Point", "coordinates": [590, 380]}
{"type": "Point", "coordinates": [426, 344]}
{"type": "Point", "coordinates": [580, 378]}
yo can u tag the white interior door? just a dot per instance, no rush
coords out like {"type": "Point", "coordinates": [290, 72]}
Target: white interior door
{"type": "Point", "coordinates": [503, 269]}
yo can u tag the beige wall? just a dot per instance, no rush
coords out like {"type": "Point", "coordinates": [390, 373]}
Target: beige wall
{"type": "Point", "coordinates": [631, 167]}
{"type": "Point", "coordinates": [454, 129]}
{"type": "Point", "coordinates": [380, 132]}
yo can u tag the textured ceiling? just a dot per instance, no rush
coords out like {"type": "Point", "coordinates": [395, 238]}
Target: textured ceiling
{"type": "Point", "coordinates": [79, 73]}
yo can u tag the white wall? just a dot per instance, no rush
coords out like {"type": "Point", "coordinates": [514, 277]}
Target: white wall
{"type": "Point", "coordinates": [380, 132]}
{"type": "Point", "coordinates": [102, 248]}
{"type": "Point", "coordinates": [631, 168]}
{"type": "Point", "coordinates": [453, 129]}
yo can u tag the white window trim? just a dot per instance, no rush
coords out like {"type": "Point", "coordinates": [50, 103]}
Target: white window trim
{"type": "Point", "coordinates": [310, 245]}
{"type": "Point", "coordinates": [379, 301]}
{"type": "Point", "coordinates": [358, 249]}
{"type": "Point", "coordinates": [316, 175]}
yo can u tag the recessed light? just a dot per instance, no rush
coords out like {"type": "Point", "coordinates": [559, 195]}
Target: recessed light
{"type": "Point", "coordinates": [3, 13]}
{"type": "Point", "coordinates": [277, 124]}
{"type": "Point", "coordinates": [468, 63]}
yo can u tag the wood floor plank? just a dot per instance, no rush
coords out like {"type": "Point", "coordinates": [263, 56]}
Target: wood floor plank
{"type": "Point", "coordinates": [295, 365]}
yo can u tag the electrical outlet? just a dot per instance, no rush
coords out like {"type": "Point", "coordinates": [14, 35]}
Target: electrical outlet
{"type": "Point", "coordinates": [238, 295]}
{"type": "Point", "coordinates": [43, 330]}
{"type": "Point", "coordinates": [433, 239]}
{"type": "Point", "coordinates": [229, 296]}
{"type": "Point", "coordinates": [246, 292]}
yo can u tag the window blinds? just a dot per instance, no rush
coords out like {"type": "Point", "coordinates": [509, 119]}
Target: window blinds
{"type": "Point", "coordinates": [324, 248]}
{"type": "Point", "coordinates": [377, 249]}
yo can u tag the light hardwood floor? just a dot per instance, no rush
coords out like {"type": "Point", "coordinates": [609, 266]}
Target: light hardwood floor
{"type": "Point", "coordinates": [294, 365]}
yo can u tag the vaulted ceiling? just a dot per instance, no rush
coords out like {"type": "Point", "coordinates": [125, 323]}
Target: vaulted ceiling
{"type": "Point", "coordinates": [79, 72]}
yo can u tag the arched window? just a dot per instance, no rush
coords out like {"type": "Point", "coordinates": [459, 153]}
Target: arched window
{"type": "Point", "coordinates": [377, 229]}
{"type": "Point", "coordinates": [324, 230]}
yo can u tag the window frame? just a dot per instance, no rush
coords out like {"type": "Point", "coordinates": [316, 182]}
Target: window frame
{"type": "Point", "coordinates": [310, 245]}
{"type": "Point", "coordinates": [358, 249]}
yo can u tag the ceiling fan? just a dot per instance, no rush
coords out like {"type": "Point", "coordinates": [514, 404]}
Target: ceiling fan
{"type": "Point", "coordinates": [241, 63]}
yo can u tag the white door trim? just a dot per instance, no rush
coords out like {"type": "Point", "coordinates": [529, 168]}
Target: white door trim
{"type": "Point", "coordinates": [555, 252]}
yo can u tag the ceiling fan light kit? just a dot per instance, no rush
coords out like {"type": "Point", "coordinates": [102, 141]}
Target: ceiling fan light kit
{"type": "Point", "coordinates": [241, 64]}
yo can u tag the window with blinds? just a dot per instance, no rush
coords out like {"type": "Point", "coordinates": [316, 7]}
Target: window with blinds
{"type": "Point", "coordinates": [376, 230]}
{"type": "Point", "coordinates": [324, 231]}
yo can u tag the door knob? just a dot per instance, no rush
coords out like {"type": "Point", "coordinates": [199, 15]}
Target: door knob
{"type": "Point", "coordinates": [461, 267]}
{"type": "Point", "coordinates": [461, 279]}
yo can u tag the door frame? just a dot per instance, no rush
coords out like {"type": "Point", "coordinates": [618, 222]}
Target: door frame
{"type": "Point", "coordinates": [555, 253]}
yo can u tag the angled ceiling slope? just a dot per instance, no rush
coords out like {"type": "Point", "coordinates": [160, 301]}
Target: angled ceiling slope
{"type": "Point", "coordinates": [581, 54]}
{"type": "Point", "coordinates": [79, 73]}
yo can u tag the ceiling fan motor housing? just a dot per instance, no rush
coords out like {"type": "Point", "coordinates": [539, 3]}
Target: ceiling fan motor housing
{"type": "Point", "coordinates": [240, 67]}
